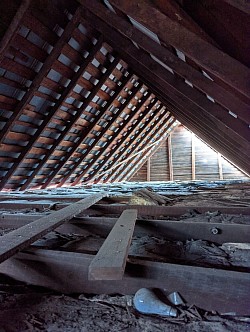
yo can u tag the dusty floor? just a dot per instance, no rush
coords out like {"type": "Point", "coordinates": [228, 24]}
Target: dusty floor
{"type": "Point", "coordinates": [47, 312]}
{"type": "Point", "coordinates": [26, 308]}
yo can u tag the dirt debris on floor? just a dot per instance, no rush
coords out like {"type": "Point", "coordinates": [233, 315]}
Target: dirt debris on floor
{"type": "Point", "coordinates": [52, 313]}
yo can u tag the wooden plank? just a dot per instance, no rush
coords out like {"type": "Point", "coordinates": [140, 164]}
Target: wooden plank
{"type": "Point", "coordinates": [67, 272]}
{"type": "Point", "coordinates": [170, 158]}
{"type": "Point", "coordinates": [170, 230]}
{"type": "Point", "coordinates": [110, 261]}
{"type": "Point", "coordinates": [193, 157]}
{"type": "Point", "coordinates": [226, 68]}
{"type": "Point", "coordinates": [148, 169]}
{"type": "Point", "coordinates": [21, 238]}
{"type": "Point", "coordinates": [220, 166]}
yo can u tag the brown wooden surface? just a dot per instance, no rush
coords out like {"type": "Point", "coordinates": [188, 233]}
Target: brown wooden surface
{"type": "Point", "coordinates": [110, 261]}
{"type": "Point", "coordinates": [207, 288]}
{"type": "Point", "coordinates": [19, 239]}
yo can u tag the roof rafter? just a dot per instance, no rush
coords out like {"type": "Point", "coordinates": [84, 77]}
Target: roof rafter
{"type": "Point", "coordinates": [201, 82]}
{"type": "Point", "coordinates": [214, 124]}
{"type": "Point", "coordinates": [74, 118]}
{"type": "Point", "coordinates": [227, 69]}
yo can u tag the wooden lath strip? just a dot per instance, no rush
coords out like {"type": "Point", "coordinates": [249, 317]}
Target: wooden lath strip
{"type": "Point", "coordinates": [230, 101]}
{"type": "Point", "coordinates": [117, 148]}
{"type": "Point", "coordinates": [42, 73]}
{"type": "Point", "coordinates": [190, 100]}
{"type": "Point", "coordinates": [110, 261]}
{"type": "Point", "coordinates": [227, 69]}
{"type": "Point", "coordinates": [88, 130]}
{"type": "Point", "coordinates": [158, 128]}
{"type": "Point", "coordinates": [129, 119]}
{"type": "Point", "coordinates": [73, 120]}
{"type": "Point", "coordinates": [53, 111]}
{"type": "Point", "coordinates": [21, 238]}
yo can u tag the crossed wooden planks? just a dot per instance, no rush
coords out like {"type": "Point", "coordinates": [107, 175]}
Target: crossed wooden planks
{"type": "Point", "coordinates": [22, 237]}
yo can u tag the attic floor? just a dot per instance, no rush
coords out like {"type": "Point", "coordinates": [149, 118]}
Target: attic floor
{"type": "Point", "coordinates": [30, 308]}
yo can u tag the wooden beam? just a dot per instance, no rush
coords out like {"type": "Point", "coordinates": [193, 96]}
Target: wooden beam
{"type": "Point", "coordinates": [110, 261]}
{"type": "Point", "coordinates": [148, 169]}
{"type": "Point", "coordinates": [170, 230]}
{"type": "Point", "coordinates": [210, 58]}
{"type": "Point", "coordinates": [220, 166]}
{"type": "Point", "coordinates": [67, 272]}
{"type": "Point", "coordinates": [170, 158]}
{"type": "Point", "coordinates": [21, 238]}
{"type": "Point", "coordinates": [193, 156]}
{"type": "Point", "coordinates": [189, 104]}
{"type": "Point", "coordinates": [15, 23]}
{"type": "Point", "coordinates": [182, 68]}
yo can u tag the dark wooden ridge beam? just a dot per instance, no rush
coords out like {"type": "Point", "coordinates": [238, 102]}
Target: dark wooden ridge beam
{"type": "Point", "coordinates": [72, 277]}
{"type": "Point", "coordinates": [21, 238]}
{"type": "Point", "coordinates": [227, 69]}
{"type": "Point", "coordinates": [42, 73]}
{"type": "Point", "coordinates": [134, 91]}
{"type": "Point", "coordinates": [207, 119]}
{"type": "Point", "coordinates": [88, 130]}
{"type": "Point", "coordinates": [73, 120]}
{"type": "Point", "coordinates": [110, 261]}
{"type": "Point", "coordinates": [130, 118]}
{"type": "Point", "coordinates": [53, 110]}
{"type": "Point", "coordinates": [95, 177]}
{"type": "Point", "coordinates": [161, 128]}
{"type": "Point", "coordinates": [221, 95]}
{"type": "Point", "coordinates": [10, 33]}
{"type": "Point", "coordinates": [142, 141]}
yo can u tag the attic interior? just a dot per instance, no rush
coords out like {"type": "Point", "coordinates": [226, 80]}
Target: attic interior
{"type": "Point", "coordinates": [124, 165]}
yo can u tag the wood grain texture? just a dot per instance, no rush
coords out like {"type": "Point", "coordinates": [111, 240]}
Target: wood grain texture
{"type": "Point", "coordinates": [21, 238]}
{"type": "Point", "coordinates": [110, 261]}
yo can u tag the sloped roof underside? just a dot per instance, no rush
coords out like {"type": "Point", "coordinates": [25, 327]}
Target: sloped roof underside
{"type": "Point", "coordinates": [89, 89]}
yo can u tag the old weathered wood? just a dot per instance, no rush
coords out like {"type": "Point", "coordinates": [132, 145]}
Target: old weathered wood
{"type": "Point", "coordinates": [110, 261]}
{"type": "Point", "coordinates": [67, 272]}
{"type": "Point", "coordinates": [19, 239]}
{"type": "Point", "coordinates": [218, 128]}
{"type": "Point", "coordinates": [170, 158]}
{"type": "Point", "coordinates": [182, 68]}
{"type": "Point", "coordinates": [148, 169]}
{"type": "Point", "coordinates": [227, 69]}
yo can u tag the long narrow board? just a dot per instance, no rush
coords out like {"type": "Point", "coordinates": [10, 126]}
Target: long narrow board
{"type": "Point", "coordinates": [110, 261]}
{"type": "Point", "coordinates": [22, 237]}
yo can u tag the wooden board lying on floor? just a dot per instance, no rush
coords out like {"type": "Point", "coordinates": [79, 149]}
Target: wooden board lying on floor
{"type": "Point", "coordinates": [22, 237]}
{"type": "Point", "coordinates": [67, 272]}
{"type": "Point", "coordinates": [110, 261]}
